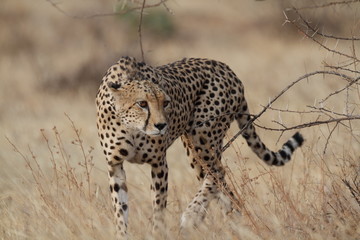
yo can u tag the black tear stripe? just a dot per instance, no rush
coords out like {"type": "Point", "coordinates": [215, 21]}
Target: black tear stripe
{"type": "Point", "coordinates": [147, 119]}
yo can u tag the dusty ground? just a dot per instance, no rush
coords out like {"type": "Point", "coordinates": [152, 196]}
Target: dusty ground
{"type": "Point", "coordinates": [51, 64]}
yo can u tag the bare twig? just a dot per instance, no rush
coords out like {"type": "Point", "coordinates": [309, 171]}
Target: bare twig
{"type": "Point", "coordinates": [139, 30]}
{"type": "Point", "coordinates": [288, 110]}
{"type": "Point", "coordinates": [311, 124]}
{"type": "Point", "coordinates": [110, 14]}
{"type": "Point", "coordinates": [340, 90]}
{"type": "Point", "coordinates": [342, 68]}
{"type": "Point", "coordinates": [328, 138]}
{"type": "Point", "coordinates": [329, 4]}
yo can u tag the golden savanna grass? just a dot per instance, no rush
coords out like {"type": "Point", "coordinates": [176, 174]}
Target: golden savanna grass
{"type": "Point", "coordinates": [53, 180]}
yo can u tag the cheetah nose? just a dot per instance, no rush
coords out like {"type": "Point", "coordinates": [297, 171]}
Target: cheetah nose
{"type": "Point", "coordinates": [160, 126]}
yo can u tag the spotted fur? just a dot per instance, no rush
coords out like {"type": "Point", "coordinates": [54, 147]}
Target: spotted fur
{"type": "Point", "coordinates": [141, 110]}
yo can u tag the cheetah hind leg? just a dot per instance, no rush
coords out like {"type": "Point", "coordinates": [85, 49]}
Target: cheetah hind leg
{"type": "Point", "coordinates": [197, 208]}
{"type": "Point", "coordinates": [226, 200]}
{"type": "Point", "coordinates": [199, 153]}
{"type": "Point", "coordinates": [213, 187]}
{"type": "Point", "coordinates": [194, 214]}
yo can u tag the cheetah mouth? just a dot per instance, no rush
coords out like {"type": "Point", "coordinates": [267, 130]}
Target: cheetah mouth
{"type": "Point", "coordinates": [155, 133]}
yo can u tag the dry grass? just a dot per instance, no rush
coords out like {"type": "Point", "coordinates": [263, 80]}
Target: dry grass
{"type": "Point", "coordinates": [61, 196]}
{"type": "Point", "coordinates": [54, 185]}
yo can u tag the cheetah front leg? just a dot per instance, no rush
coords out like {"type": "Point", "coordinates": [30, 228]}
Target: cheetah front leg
{"type": "Point", "coordinates": [159, 188]}
{"type": "Point", "coordinates": [119, 196]}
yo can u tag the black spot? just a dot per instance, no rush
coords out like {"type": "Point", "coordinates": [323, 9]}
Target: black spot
{"type": "Point", "coordinates": [114, 85]}
{"type": "Point", "coordinates": [283, 154]}
{"type": "Point", "coordinates": [160, 174]}
{"type": "Point", "coordinates": [124, 152]}
{"type": "Point", "coordinates": [246, 136]}
{"type": "Point", "coordinates": [267, 157]}
{"type": "Point", "coordinates": [116, 187]}
{"type": "Point", "coordinates": [290, 146]}
{"type": "Point", "coordinates": [202, 141]}
{"type": "Point", "coordinates": [124, 207]}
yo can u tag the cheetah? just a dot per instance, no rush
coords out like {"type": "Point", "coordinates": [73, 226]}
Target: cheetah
{"type": "Point", "coordinates": [142, 110]}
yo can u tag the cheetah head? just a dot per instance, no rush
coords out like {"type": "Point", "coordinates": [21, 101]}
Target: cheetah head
{"type": "Point", "coordinates": [141, 105]}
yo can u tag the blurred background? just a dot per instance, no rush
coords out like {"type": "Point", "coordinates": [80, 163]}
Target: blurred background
{"type": "Point", "coordinates": [53, 55]}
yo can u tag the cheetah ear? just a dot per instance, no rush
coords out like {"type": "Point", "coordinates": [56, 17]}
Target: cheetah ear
{"type": "Point", "coordinates": [116, 90]}
{"type": "Point", "coordinates": [114, 86]}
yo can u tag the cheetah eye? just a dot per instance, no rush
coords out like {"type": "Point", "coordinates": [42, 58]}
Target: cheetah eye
{"type": "Point", "coordinates": [166, 103]}
{"type": "Point", "coordinates": [142, 104]}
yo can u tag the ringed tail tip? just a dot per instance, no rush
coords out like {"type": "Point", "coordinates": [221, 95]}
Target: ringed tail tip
{"type": "Point", "coordinates": [298, 138]}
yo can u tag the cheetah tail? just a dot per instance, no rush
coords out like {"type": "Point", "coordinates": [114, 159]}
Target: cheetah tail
{"type": "Point", "coordinates": [258, 147]}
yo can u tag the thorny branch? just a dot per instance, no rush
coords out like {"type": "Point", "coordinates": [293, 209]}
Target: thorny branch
{"type": "Point", "coordinates": [311, 124]}
{"type": "Point", "coordinates": [317, 31]}
{"type": "Point", "coordinates": [350, 67]}
{"type": "Point", "coordinates": [310, 36]}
